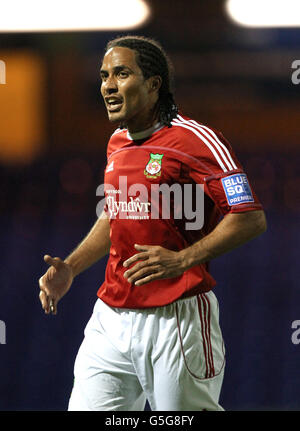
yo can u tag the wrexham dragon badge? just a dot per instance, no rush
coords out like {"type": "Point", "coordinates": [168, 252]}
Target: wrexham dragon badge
{"type": "Point", "coordinates": [153, 167]}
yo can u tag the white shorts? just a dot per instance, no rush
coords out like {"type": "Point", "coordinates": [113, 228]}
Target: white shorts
{"type": "Point", "coordinates": [172, 356]}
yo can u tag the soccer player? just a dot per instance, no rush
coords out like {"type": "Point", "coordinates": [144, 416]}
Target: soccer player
{"type": "Point", "coordinates": [154, 332]}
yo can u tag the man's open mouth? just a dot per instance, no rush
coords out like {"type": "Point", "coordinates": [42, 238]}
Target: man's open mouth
{"type": "Point", "coordinates": [113, 104]}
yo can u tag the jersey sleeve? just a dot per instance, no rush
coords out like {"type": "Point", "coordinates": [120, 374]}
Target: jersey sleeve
{"type": "Point", "coordinates": [113, 143]}
{"type": "Point", "coordinates": [222, 175]}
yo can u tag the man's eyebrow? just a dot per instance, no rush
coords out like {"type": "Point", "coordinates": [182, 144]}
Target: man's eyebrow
{"type": "Point", "coordinates": [117, 69]}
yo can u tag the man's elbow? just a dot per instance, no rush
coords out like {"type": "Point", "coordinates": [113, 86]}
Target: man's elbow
{"type": "Point", "coordinates": [261, 223]}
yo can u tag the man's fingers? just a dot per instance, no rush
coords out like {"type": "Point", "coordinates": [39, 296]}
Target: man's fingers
{"type": "Point", "coordinates": [135, 258]}
{"type": "Point", "coordinates": [53, 261]}
{"type": "Point", "coordinates": [44, 301]}
{"type": "Point", "coordinates": [140, 266]}
{"type": "Point", "coordinates": [53, 306]}
{"type": "Point", "coordinates": [48, 301]}
{"type": "Point", "coordinates": [43, 285]}
{"type": "Point", "coordinates": [43, 298]}
{"type": "Point", "coordinates": [141, 273]}
{"type": "Point", "coordinates": [49, 304]}
{"type": "Point", "coordinates": [142, 247]}
{"type": "Point", "coordinates": [145, 251]}
{"type": "Point", "coordinates": [147, 279]}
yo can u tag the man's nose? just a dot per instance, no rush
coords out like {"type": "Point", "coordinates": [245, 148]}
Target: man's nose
{"type": "Point", "coordinates": [110, 85]}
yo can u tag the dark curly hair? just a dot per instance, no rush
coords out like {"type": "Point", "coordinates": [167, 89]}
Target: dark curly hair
{"type": "Point", "coordinates": [152, 60]}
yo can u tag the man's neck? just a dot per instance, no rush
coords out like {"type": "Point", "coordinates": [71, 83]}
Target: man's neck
{"type": "Point", "coordinates": [142, 134]}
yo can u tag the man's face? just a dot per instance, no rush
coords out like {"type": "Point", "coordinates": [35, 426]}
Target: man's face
{"type": "Point", "coordinates": [128, 96]}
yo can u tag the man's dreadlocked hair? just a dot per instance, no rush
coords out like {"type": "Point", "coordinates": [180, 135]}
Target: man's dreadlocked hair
{"type": "Point", "coordinates": [152, 60]}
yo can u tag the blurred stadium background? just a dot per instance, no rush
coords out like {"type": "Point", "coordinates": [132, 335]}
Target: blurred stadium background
{"type": "Point", "coordinates": [53, 135]}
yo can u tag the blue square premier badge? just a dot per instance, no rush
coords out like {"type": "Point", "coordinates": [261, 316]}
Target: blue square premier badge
{"type": "Point", "coordinates": [237, 189]}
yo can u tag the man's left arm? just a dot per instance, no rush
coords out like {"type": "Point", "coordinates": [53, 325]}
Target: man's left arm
{"type": "Point", "coordinates": [155, 262]}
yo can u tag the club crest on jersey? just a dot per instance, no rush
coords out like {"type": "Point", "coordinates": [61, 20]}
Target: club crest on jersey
{"type": "Point", "coordinates": [153, 167]}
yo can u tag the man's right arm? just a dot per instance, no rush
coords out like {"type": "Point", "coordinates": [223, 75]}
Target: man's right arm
{"type": "Point", "coordinates": [57, 280]}
{"type": "Point", "coordinates": [93, 247]}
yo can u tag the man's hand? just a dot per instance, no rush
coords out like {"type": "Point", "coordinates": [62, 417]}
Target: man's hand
{"type": "Point", "coordinates": [55, 283]}
{"type": "Point", "coordinates": [153, 263]}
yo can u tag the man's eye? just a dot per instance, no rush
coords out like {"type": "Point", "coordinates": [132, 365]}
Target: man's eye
{"type": "Point", "coordinates": [123, 74]}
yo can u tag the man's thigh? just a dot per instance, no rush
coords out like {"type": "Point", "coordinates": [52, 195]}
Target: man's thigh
{"type": "Point", "coordinates": [188, 374]}
{"type": "Point", "coordinates": [187, 393]}
{"type": "Point", "coordinates": [104, 378]}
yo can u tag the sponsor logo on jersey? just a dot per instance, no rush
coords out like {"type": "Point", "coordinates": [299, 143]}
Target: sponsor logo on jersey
{"type": "Point", "coordinates": [134, 209]}
{"type": "Point", "coordinates": [153, 167]}
{"type": "Point", "coordinates": [237, 189]}
{"type": "Point", "coordinates": [157, 202]}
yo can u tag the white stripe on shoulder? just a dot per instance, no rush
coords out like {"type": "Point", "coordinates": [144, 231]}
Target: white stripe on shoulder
{"type": "Point", "coordinates": [218, 141]}
{"type": "Point", "coordinates": [222, 149]}
{"type": "Point", "coordinates": [188, 126]}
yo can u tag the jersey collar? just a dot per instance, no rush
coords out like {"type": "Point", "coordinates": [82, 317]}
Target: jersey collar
{"type": "Point", "coordinates": [144, 133]}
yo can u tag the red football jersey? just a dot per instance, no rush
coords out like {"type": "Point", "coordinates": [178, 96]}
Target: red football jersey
{"type": "Point", "coordinates": [179, 158]}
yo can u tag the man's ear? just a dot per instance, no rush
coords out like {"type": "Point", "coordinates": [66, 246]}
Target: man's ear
{"type": "Point", "coordinates": [155, 83]}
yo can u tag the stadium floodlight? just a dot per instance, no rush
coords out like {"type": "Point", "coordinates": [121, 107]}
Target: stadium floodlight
{"type": "Point", "coordinates": [72, 15]}
{"type": "Point", "coordinates": [264, 13]}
